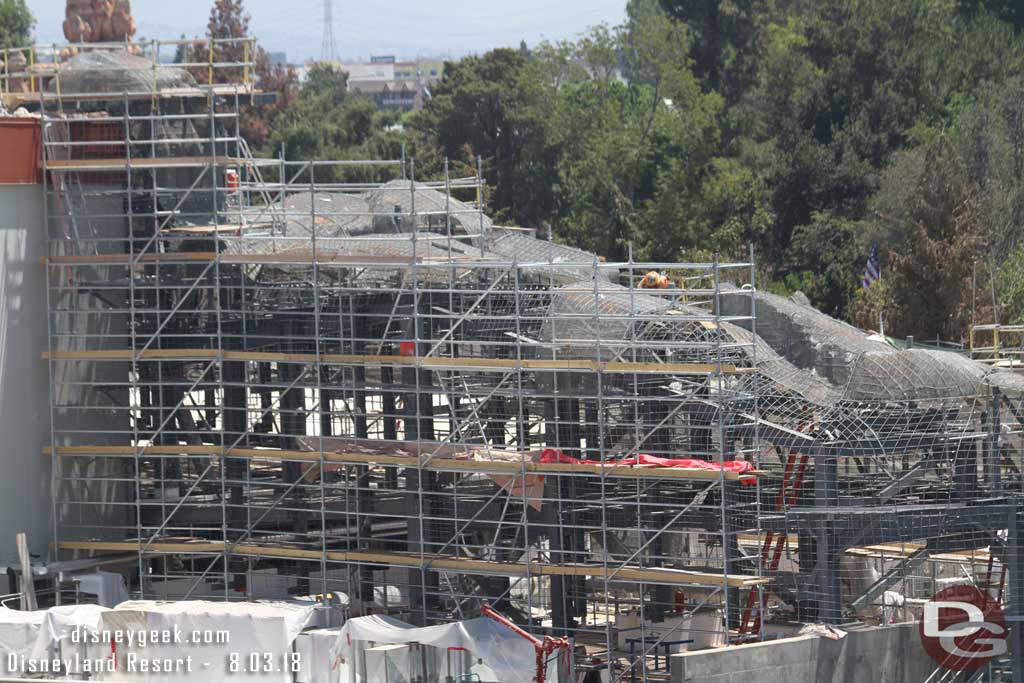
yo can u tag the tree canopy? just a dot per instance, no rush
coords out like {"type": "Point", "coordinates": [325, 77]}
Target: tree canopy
{"type": "Point", "coordinates": [327, 121]}
{"type": "Point", "coordinates": [230, 20]}
{"type": "Point", "coordinates": [16, 22]}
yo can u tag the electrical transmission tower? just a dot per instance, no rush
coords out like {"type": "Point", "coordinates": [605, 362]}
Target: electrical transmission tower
{"type": "Point", "coordinates": [327, 49]}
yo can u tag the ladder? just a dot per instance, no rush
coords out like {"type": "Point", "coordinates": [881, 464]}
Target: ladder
{"type": "Point", "coordinates": [771, 549]}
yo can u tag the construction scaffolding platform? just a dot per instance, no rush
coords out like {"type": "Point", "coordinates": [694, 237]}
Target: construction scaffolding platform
{"type": "Point", "coordinates": [42, 76]}
{"type": "Point", "coordinates": [274, 377]}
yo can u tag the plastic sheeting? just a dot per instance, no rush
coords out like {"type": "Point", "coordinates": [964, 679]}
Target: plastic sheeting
{"type": "Point", "coordinates": [500, 655]}
{"type": "Point", "coordinates": [108, 587]}
{"type": "Point", "coordinates": [211, 633]}
{"type": "Point", "coordinates": [316, 653]}
{"type": "Point", "coordinates": [390, 663]}
{"type": "Point", "coordinates": [57, 636]}
{"type": "Point", "coordinates": [18, 634]}
{"type": "Point", "coordinates": [266, 629]}
{"type": "Point", "coordinates": [118, 71]}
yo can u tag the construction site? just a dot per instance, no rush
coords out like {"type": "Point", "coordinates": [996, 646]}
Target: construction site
{"type": "Point", "coordinates": [271, 379]}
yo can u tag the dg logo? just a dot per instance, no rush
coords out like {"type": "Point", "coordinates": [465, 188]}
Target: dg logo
{"type": "Point", "coordinates": [962, 628]}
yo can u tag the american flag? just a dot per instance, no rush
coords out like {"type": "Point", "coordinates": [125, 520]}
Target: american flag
{"type": "Point", "coordinates": [872, 269]}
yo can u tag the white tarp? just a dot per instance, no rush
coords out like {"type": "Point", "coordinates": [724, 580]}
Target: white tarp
{"type": "Point", "coordinates": [315, 650]}
{"type": "Point", "coordinates": [253, 638]}
{"type": "Point", "coordinates": [389, 663]}
{"type": "Point", "coordinates": [506, 656]}
{"type": "Point", "coordinates": [18, 633]}
{"type": "Point", "coordinates": [108, 587]}
{"type": "Point", "coordinates": [66, 635]}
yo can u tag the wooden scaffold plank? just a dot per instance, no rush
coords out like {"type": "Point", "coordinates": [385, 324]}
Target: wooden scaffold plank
{"type": "Point", "coordinates": [440, 464]}
{"type": "Point", "coordinates": [675, 577]}
{"type": "Point", "coordinates": [567, 365]}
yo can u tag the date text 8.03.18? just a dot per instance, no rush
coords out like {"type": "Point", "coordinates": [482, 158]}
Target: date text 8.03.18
{"type": "Point", "coordinates": [264, 662]}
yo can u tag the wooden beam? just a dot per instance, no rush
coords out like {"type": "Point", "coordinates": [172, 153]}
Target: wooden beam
{"type": "Point", "coordinates": [13, 100]}
{"type": "Point", "coordinates": [567, 365]}
{"type": "Point", "coordinates": [210, 229]}
{"type": "Point", "coordinates": [884, 550]}
{"type": "Point", "coordinates": [893, 550]}
{"type": "Point", "coordinates": [303, 258]}
{"type": "Point", "coordinates": [127, 260]}
{"type": "Point", "coordinates": [121, 164]}
{"type": "Point", "coordinates": [678, 577]}
{"type": "Point", "coordinates": [506, 467]}
{"type": "Point", "coordinates": [126, 354]}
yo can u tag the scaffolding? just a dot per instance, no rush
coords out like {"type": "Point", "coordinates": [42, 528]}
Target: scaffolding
{"type": "Point", "coordinates": [275, 377]}
{"type": "Point", "coordinates": [48, 76]}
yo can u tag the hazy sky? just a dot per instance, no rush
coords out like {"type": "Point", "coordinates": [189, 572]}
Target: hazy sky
{"type": "Point", "coordinates": [408, 28]}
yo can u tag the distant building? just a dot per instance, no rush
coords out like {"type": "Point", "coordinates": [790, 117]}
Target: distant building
{"type": "Point", "coordinates": [406, 70]}
{"type": "Point", "coordinates": [392, 84]}
{"type": "Point", "coordinates": [372, 71]}
{"type": "Point", "coordinates": [392, 95]}
{"type": "Point", "coordinates": [428, 70]}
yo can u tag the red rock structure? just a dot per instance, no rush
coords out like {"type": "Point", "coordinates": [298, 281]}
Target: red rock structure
{"type": "Point", "coordinates": [98, 21]}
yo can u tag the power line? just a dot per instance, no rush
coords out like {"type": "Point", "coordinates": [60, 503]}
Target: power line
{"type": "Point", "coordinates": [558, 20]}
{"type": "Point", "coordinates": [328, 51]}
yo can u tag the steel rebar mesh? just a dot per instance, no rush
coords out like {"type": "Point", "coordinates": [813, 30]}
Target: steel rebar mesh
{"type": "Point", "coordinates": [117, 72]}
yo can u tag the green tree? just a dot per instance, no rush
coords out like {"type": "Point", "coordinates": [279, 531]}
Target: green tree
{"type": "Point", "coordinates": [181, 51]}
{"type": "Point", "coordinates": [490, 106]}
{"type": "Point", "coordinates": [1010, 11]}
{"type": "Point", "coordinates": [728, 37]}
{"type": "Point", "coordinates": [229, 23]}
{"type": "Point", "coordinates": [325, 121]}
{"type": "Point", "coordinates": [828, 255]}
{"type": "Point", "coordinates": [929, 238]}
{"type": "Point", "coordinates": [842, 87]}
{"type": "Point", "coordinates": [602, 165]}
{"type": "Point", "coordinates": [16, 23]}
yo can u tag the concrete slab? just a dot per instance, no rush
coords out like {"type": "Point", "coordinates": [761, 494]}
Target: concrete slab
{"type": "Point", "coordinates": [884, 653]}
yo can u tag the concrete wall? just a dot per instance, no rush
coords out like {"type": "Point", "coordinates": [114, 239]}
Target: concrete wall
{"type": "Point", "coordinates": [24, 377]}
{"type": "Point", "coordinates": [92, 503]}
{"type": "Point", "coordinates": [886, 653]}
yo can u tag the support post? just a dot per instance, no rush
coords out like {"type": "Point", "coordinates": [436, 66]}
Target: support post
{"type": "Point", "coordinates": [826, 497]}
{"type": "Point", "coordinates": [1014, 610]}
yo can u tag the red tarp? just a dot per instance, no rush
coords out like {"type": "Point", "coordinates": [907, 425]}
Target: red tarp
{"type": "Point", "coordinates": [550, 455]}
{"type": "Point", "coordinates": [532, 485]}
